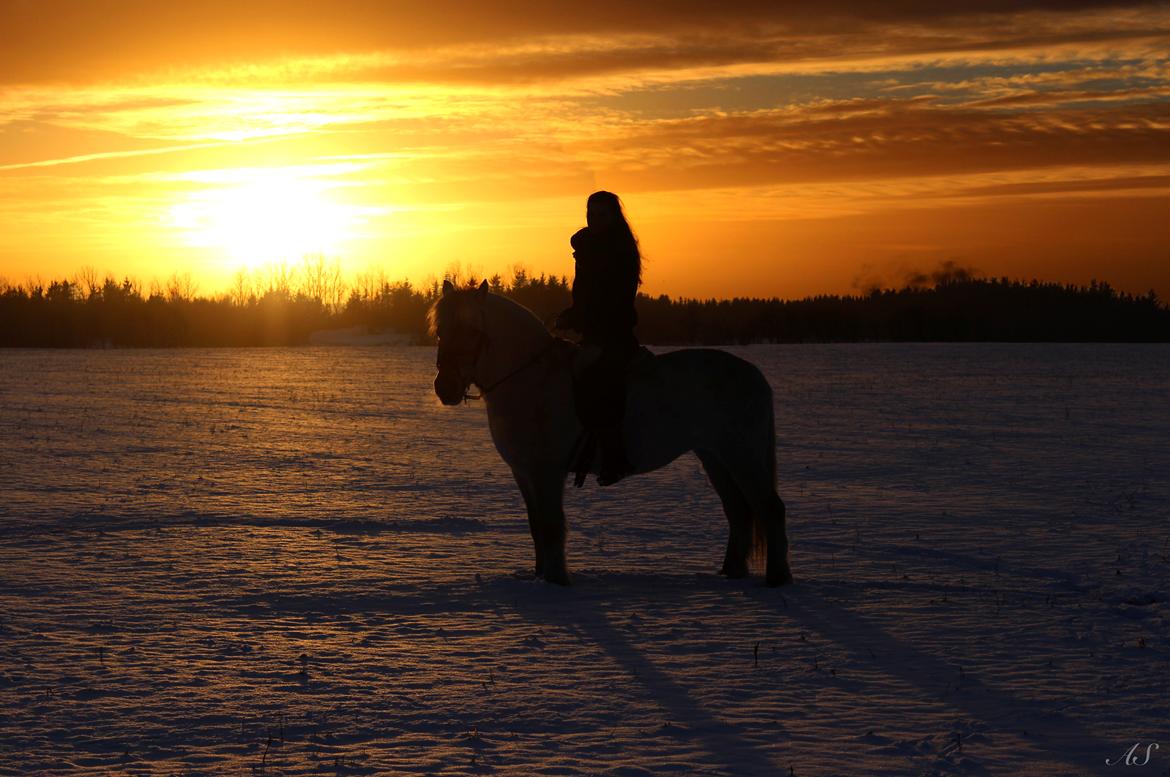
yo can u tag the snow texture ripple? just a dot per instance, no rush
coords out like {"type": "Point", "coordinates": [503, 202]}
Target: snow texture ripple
{"type": "Point", "coordinates": [288, 562]}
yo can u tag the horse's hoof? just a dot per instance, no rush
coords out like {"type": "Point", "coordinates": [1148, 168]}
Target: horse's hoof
{"type": "Point", "coordinates": [778, 579]}
{"type": "Point", "coordinates": [733, 572]}
{"type": "Point", "coordinates": [560, 578]}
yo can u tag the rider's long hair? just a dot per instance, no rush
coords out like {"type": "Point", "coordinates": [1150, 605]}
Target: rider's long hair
{"type": "Point", "coordinates": [627, 241]}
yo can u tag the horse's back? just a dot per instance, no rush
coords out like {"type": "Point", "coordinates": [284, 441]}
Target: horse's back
{"type": "Point", "coordinates": [705, 373]}
{"type": "Point", "coordinates": [695, 399]}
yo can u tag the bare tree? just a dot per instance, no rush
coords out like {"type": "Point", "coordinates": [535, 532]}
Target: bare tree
{"type": "Point", "coordinates": [274, 278]}
{"type": "Point", "coordinates": [241, 290]}
{"type": "Point", "coordinates": [87, 279]}
{"type": "Point", "coordinates": [336, 287]}
{"type": "Point", "coordinates": [181, 287]}
{"type": "Point", "coordinates": [322, 280]}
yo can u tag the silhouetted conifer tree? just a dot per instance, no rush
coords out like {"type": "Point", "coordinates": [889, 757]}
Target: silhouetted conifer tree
{"type": "Point", "coordinates": [949, 304]}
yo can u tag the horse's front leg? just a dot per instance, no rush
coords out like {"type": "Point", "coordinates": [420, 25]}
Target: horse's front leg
{"type": "Point", "coordinates": [524, 480]}
{"type": "Point", "coordinates": [548, 491]}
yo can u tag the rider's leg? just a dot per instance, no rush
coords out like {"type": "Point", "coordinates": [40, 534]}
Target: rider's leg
{"type": "Point", "coordinates": [612, 370]}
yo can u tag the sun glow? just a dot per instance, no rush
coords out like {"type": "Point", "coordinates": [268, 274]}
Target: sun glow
{"type": "Point", "coordinates": [257, 217]}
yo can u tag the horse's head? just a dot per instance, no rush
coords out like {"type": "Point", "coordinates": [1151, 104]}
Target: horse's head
{"type": "Point", "coordinates": [457, 322]}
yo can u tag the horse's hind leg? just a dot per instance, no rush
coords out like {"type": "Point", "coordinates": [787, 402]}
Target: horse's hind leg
{"type": "Point", "coordinates": [739, 517]}
{"type": "Point", "coordinates": [758, 487]}
{"type": "Point", "coordinates": [776, 526]}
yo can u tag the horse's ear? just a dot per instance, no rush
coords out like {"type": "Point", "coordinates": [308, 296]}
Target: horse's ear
{"type": "Point", "coordinates": [483, 290]}
{"type": "Point", "coordinates": [448, 287]}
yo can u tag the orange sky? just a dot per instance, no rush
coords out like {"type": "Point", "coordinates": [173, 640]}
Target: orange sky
{"type": "Point", "coordinates": [762, 148]}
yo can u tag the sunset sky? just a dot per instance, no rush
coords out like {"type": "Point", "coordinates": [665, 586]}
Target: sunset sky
{"type": "Point", "coordinates": [762, 148]}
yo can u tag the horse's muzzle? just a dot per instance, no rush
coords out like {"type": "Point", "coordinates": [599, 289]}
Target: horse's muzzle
{"type": "Point", "coordinates": [449, 389]}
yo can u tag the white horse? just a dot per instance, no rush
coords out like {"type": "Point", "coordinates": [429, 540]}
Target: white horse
{"type": "Point", "coordinates": [697, 399]}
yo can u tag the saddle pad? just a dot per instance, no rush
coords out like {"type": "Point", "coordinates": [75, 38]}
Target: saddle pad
{"type": "Point", "coordinates": [640, 361]}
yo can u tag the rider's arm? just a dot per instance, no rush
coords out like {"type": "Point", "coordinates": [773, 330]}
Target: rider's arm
{"type": "Point", "coordinates": [570, 317]}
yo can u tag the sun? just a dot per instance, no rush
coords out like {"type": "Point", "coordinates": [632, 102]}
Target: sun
{"type": "Point", "coordinates": [256, 217]}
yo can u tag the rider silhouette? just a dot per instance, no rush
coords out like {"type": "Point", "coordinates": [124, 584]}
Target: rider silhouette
{"type": "Point", "coordinates": [605, 285]}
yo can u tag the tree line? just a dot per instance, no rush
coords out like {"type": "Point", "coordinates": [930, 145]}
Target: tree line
{"type": "Point", "coordinates": [284, 307]}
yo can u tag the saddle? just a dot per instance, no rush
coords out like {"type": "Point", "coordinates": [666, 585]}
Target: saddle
{"type": "Point", "coordinates": [586, 356]}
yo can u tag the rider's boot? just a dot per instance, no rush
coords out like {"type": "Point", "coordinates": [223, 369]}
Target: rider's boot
{"type": "Point", "coordinates": [614, 464]}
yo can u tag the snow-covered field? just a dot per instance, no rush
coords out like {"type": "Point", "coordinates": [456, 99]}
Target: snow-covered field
{"type": "Point", "coordinates": [298, 562]}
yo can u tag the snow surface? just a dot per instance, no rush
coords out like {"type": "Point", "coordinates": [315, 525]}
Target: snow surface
{"type": "Point", "coordinates": [298, 562]}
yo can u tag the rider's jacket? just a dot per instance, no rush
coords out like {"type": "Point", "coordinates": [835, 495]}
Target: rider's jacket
{"type": "Point", "coordinates": [605, 285]}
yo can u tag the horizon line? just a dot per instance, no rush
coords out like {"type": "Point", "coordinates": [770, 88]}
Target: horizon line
{"type": "Point", "coordinates": [293, 281]}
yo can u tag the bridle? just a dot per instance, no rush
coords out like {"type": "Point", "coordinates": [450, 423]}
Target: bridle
{"type": "Point", "coordinates": [462, 359]}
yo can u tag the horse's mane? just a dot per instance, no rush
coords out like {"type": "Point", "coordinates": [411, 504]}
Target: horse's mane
{"type": "Point", "coordinates": [448, 306]}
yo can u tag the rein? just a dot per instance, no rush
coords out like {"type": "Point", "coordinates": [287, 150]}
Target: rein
{"type": "Point", "coordinates": [532, 360]}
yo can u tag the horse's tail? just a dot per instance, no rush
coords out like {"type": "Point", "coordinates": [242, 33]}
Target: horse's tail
{"type": "Point", "coordinates": [759, 555]}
